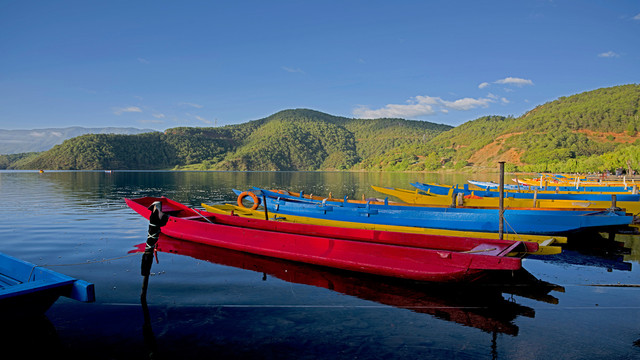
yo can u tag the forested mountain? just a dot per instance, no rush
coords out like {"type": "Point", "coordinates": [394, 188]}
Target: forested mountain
{"type": "Point", "coordinates": [289, 140]}
{"type": "Point", "coordinates": [569, 134]}
{"type": "Point", "coordinates": [591, 131]}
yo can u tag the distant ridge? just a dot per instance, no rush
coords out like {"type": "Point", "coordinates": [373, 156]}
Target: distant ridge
{"type": "Point", "coordinates": [586, 132]}
{"type": "Point", "coordinates": [36, 140]}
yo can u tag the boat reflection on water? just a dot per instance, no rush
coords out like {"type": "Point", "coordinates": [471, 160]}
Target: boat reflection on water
{"type": "Point", "coordinates": [31, 337]}
{"type": "Point", "coordinates": [608, 251]}
{"type": "Point", "coordinates": [481, 305]}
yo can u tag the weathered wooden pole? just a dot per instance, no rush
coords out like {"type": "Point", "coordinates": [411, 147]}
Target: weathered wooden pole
{"type": "Point", "coordinates": [501, 203]}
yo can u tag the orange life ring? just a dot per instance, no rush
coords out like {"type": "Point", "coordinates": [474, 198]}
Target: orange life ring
{"type": "Point", "coordinates": [253, 196]}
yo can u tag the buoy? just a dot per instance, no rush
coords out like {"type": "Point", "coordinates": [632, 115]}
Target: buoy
{"type": "Point", "coordinates": [253, 196]}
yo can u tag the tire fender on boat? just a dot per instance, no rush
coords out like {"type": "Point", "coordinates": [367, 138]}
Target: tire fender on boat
{"type": "Point", "coordinates": [253, 196]}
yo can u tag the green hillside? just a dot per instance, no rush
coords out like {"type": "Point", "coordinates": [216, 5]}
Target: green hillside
{"type": "Point", "coordinates": [289, 140]}
{"type": "Point", "coordinates": [591, 131]}
{"type": "Point", "coordinates": [568, 134]}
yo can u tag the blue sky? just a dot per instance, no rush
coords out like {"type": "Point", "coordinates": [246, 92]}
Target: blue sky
{"type": "Point", "coordinates": [162, 64]}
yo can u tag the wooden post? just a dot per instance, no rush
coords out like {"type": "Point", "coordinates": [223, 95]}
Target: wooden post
{"type": "Point", "coordinates": [501, 203]}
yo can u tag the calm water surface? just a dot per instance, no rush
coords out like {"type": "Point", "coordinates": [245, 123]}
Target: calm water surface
{"type": "Point", "coordinates": [217, 304]}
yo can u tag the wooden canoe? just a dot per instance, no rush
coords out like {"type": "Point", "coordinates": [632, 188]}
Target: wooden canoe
{"type": "Point", "coordinates": [400, 255]}
{"type": "Point", "coordinates": [420, 197]}
{"type": "Point", "coordinates": [487, 305]}
{"type": "Point", "coordinates": [546, 244]}
{"type": "Point", "coordinates": [525, 194]}
{"type": "Point", "coordinates": [29, 290]}
{"type": "Point", "coordinates": [484, 220]}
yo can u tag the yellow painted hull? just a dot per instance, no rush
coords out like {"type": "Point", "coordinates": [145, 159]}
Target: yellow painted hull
{"type": "Point", "coordinates": [418, 197]}
{"type": "Point", "coordinates": [544, 241]}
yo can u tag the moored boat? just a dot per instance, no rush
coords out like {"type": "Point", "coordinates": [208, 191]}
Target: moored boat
{"type": "Point", "coordinates": [401, 255]}
{"type": "Point", "coordinates": [485, 220]}
{"type": "Point", "coordinates": [526, 194]}
{"type": "Point", "coordinates": [546, 244]}
{"type": "Point", "coordinates": [27, 289]}
{"type": "Point", "coordinates": [564, 187]}
{"type": "Point", "coordinates": [419, 197]}
{"type": "Point", "coordinates": [486, 305]}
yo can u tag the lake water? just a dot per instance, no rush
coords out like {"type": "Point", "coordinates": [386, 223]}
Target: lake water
{"type": "Point", "coordinates": [207, 303]}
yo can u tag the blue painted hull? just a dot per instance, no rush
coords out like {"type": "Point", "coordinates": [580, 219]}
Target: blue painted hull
{"type": "Point", "coordinates": [586, 196]}
{"type": "Point", "coordinates": [26, 289]}
{"type": "Point", "coordinates": [484, 220]}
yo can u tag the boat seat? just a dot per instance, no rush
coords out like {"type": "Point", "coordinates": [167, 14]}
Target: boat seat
{"type": "Point", "coordinates": [6, 281]}
{"type": "Point", "coordinates": [485, 249]}
{"type": "Point", "coordinates": [489, 249]}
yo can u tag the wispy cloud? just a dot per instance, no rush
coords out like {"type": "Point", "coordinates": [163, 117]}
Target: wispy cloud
{"type": "Point", "coordinates": [637, 17]}
{"type": "Point", "coordinates": [514, 81]}
{"type": "Point", "coordinates": [422, 106]}
{"type": "Point", "coordinates": [158, 116]}
{"type": "Point", "coordinates": [608, 54]}
{"type": "Point", "coordinates": [143, 61]}
{"type": "Point", "coordinates": [508, 81]}
{"type": "Point", "coordinates": [203, 120]}
{"type": "Point", "coordinates": [120, 111]}
{"type": "Point", "coordinates": [292, 70]}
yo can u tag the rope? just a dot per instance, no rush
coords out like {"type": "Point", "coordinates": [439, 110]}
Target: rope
{"type": "Point", "coordinates": [197, 212]}
{"type": "Point", "coordinates": [84, 263]}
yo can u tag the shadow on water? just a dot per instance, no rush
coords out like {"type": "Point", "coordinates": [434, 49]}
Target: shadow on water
{"type": "Point", "coordinates": [31, 337]}
{"type": "Point", "coordinates": [479, 305]}
{"type": "Point", "coordinates": [594, 249]}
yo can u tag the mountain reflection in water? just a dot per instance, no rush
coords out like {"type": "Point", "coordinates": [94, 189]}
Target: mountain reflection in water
{"type": "Point", "coordinates": [480, 305]}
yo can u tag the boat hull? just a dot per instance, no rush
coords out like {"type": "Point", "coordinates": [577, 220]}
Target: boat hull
{"type": "Point", "coordinates": [400, 261]}
{"type": "Point", "coordinates": [462, 219]}
{"type": "Point", "coordinates": [545, 242]}
{"type": "Point", "coordinates": [576, 195]}
{"type": "Point", "coordinates": [420, 198]}
{"type": "Point", "coordinates": [29, 290]}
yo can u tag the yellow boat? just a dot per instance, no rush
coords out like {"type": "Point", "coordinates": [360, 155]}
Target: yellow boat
{"type": "Point", "coordinates": [419, 197]}
{"type": "Point", "coordinates": [551, 181]}
{"type": "Point", "coordinates": [545, 248]}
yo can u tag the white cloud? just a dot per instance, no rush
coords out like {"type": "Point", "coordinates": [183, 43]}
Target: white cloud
{"type": "Point", "coordinates": [637, 17]}
{"type": "Point", "coordinates": [200, 118]}
{"type": "Point", "coordinates": [514, 81]}
{"type": "Point", "coordinates": [608, 54]}
{"type": "Point", "coordinates": [158, 116]}
{"type": "Point", "coordinates": [467, 103]}
{"type": "Point", "coordinates": [120, 111]}
{"type": "Point", "coordinates": [421, 106]}
{"type": "Point", "coordinates": [143, 61]}
{"type": "Point", "coordinates": [507, 81]}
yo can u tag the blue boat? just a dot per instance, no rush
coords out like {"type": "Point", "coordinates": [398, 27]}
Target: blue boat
{"type": "Point", "coordinates": [543, 222]}
{"type": "Point", "coordinates": [29, 290]}
{"type": "Point", "coordinates": [490, 185]}
{"type": "Point", "coordinates": [576, 196]}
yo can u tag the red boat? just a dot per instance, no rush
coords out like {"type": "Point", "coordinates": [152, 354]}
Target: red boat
{"type": "Point", "coordinates": [401, 255]}
{"type": "Point", "coordinates": [484, 305]}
